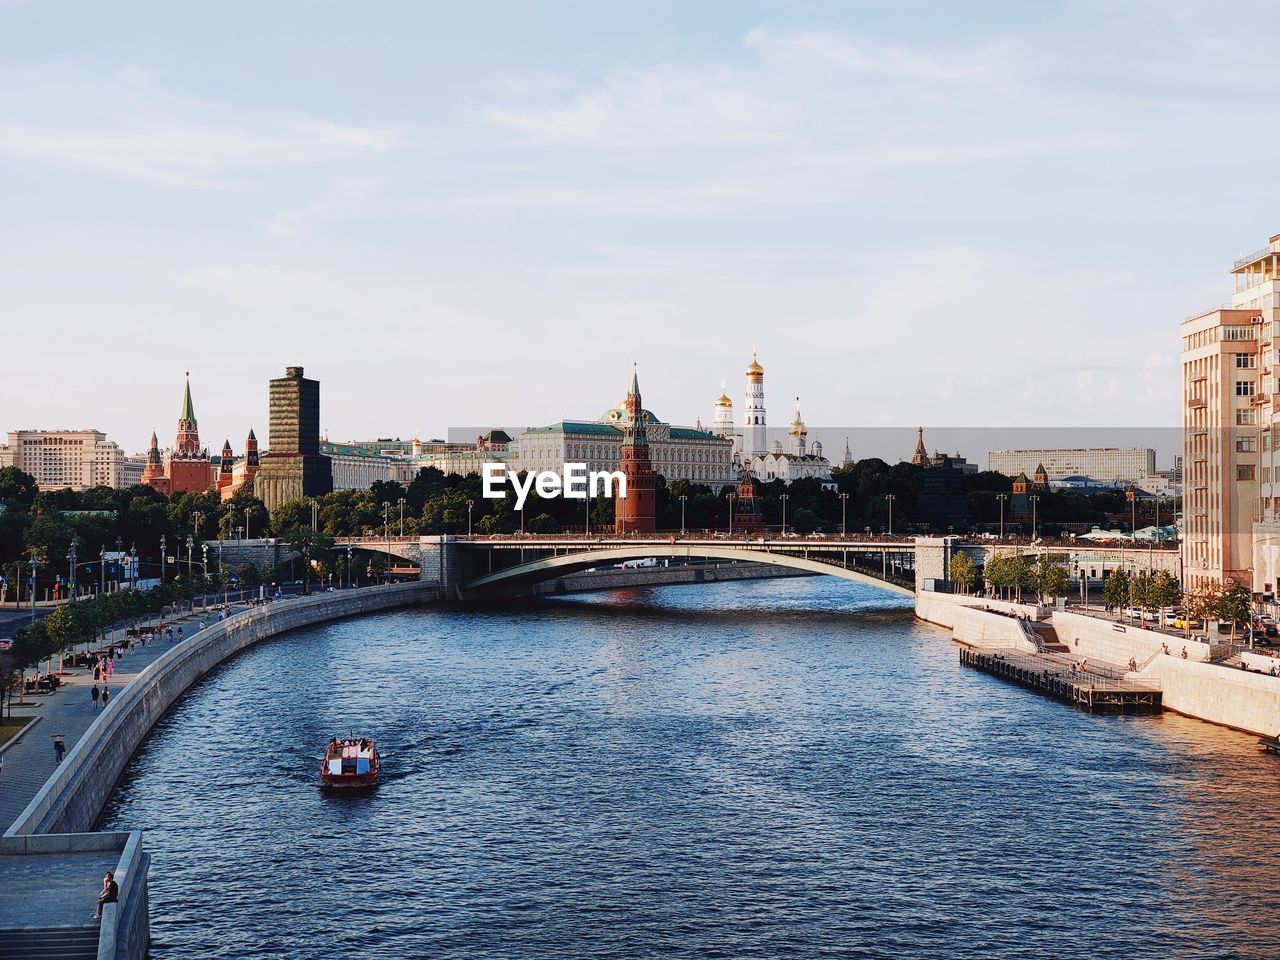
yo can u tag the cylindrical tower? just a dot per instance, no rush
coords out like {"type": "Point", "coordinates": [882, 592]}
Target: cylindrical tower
{"type": "Point", "coordinates": [753, 418]}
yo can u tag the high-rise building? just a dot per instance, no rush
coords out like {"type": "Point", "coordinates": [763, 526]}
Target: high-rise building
{"type": "Point", "coordinates": [1228, 402]}
{"type": "Point", "coordinates": [293, 467]}
{"type": "Point", "coordinates": [65, 459]}
{"type": "Point", "coordinates": [636, 512]}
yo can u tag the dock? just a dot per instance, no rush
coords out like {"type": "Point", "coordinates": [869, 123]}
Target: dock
{"type": "Point", "coordinates": [1099, 689]}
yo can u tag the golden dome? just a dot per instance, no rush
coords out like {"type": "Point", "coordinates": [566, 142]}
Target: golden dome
{"type": "Point", "coordinates": [754, 368]}
{"type": "Point", "coordinates": [724, 401]}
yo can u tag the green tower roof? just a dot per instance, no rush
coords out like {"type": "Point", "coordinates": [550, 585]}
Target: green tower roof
{"type": "Point", "coordinates": [188, 409]}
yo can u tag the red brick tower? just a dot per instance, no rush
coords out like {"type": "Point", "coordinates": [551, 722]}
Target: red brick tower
{"type": "Point", "coordinates": [224, 465]}
{"type": "Point", "coordinates": [153, 473]}
{"type": "Point", "coordinates": [636, 512]}
{"type": "Point", "coordinates": [190, 469]}
{"type": "Point", "coordinates": [748, 516]}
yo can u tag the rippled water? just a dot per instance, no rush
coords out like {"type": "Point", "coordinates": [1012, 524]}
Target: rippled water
{"type": "Point", "coordinates": [778, 769]}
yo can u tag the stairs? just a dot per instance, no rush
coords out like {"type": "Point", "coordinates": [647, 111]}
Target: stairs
{"type": "Point", "coordinates": [1049, 637]}
{"type": "Point", "coordinates": [50, 943]}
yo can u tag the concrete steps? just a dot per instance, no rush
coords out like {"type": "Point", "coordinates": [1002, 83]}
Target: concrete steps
{"type": "Point", "coordinates": [1049, 637]}
{"type": "Point", "coordinates": [50, 943]}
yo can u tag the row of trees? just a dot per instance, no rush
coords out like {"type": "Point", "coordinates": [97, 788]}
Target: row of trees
{"type": "Point", "coordinates": [1010, 574]}
{"type": "Point", "coordinates": [1159, 591]}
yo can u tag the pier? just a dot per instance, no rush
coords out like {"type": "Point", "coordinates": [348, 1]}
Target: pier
{"type": "Point", "coordinates": [1098, 689]}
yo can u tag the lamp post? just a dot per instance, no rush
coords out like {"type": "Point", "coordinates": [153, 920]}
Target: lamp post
{"type": "Point", "coordinates": [683, 498]}
{"type": "Point", "coordinates": [315, 512]}
{"type": "Point", "coordinates": [472, 503]}
{"type": "Point", "coordinates": [1002, 497]}
{"type": "Point", "coordinates": [163, 560]}
{"type": "Point", "coordinates": [348, 566]}
{"type": "Point", "coordinates": [246, 522]}
{"type": "Point", "coordinates": [71, 571]}
{"type": "Point", "coordinates": [204, 572]}
{"type": "Point", "coordinates": [196, 517]}
{"type": "Point", "coordinates": [33, 584]}
{"type": "Point", "coordinates": [784, 498]}
{"type": "Point", "coordinates": [402, 516]}
{"type": "Point", "coordinates": [386, 533]}
{"type": "Point", "coordinates": [102, 570]}
{"type": "Point", "coordinates": [732, 497]}
{"type": "Point", "coordinates": [844, 515]}
{"type": "Point", "coordinates": [1034, 498]}
{"type": "Point", "coordinates": [889, 498]}
{"type": "Point", "coordinates": [133, 566]}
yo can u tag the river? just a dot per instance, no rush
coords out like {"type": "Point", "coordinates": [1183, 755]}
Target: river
{"type": "Point", "coordinates": [790, 768]}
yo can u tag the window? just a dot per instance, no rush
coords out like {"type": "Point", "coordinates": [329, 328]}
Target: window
{"type": "Point", "coordinates": [1244, 471]}
{"type": "Point", "coordinates": [1246, 445]}
{"type": "Point", "coordinates": [1244, 388]}
{"type": "Point", "coordinates": [1246, 418]}
{"type": "Point", "coordinates": [1237, 333]}
{"type": "Point", "coordinates": [1246, 361]}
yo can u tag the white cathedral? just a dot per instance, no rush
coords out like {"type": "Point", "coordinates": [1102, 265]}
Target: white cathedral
{"type": "Point", "coordinates": [750, 442]}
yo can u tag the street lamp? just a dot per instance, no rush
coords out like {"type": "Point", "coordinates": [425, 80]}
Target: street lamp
{"type": "Point", "coordinates": [71, 571]}
{"type": "Point", "coordinates": [246, 522]}
{"type": "Point", "coordinates": [133, 566]}
{"type": "Point", "coordinates": [401, 516]}
{"type": "Point", "coordinates": [102, 569]}
{"type": "Point", "coordinates": [844, 506]}
{"type": "Point", "coordinates": [204, 572]}
{"type": "Point", "coordinates": [732, 497]}
{"type": "Point", "coordinates": [889, 498]}
{"type": "Point", "coordinates": [1002, 497]}
{"type": "Point", "coordinates": [784, 499]}
{"type": "Point", "coordinates": [163, 559]}
{"type": "Point", "coordinates": [683, 498]}
{"type": "Point", "coordinates": [472, 503]}
{"type": "Point", "coordinates": [197, 516]}
{"type": "Point", "coordinates": [386, 533]}
{"type": "Point", "coordinates": [348, 566]}
{"type": "Point", "coordinates": [1034, 498]}
{"type": "Point", "coordinates": [33, 584]}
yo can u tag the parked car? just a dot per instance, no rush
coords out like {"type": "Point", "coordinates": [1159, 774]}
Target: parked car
{"type": "Point", "coordinates": [1269, 625]}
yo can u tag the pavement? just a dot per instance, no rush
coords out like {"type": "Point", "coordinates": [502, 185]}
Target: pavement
{"type": "Point", "coordinates": [52, 889]}
{"type": "Point", "coordinates": [28, 762]}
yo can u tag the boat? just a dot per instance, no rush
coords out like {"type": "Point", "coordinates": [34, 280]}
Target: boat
{"type": "Point", "coordinates": [350, 762]}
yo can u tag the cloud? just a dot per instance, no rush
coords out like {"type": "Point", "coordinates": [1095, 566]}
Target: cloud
{"type": "Point", "coordinates": [125, 125]}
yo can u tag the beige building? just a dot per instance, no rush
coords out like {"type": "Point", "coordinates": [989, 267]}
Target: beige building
{"type": "Point", "coordinates": [65, 459]}
{"type": "Point", "coordinates": [1103, 464]}
{"type": "Point", "coordinates": [1228, 408]}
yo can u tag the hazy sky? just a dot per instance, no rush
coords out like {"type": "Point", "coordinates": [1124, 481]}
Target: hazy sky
{"type": "Point", "coordinates": [945, 213]}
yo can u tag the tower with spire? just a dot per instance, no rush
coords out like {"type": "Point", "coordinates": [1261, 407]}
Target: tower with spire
{"type": "Point", "coordinates": [921, 457]}
{"type": "Point", "coordinates": [798, 433]}
{"type": "Point", "coordinates": [187, 469]}
{"type": "Point", "coordinates": [722, 424]}
{"type": "Point", "coordinates": [637, 511]}
{"type": "Point", "coordinates": [847, 460]}
{"type": "Point", "coordinates": [753, 416]}
{"type": "Point", "coordinates": [225, 461]}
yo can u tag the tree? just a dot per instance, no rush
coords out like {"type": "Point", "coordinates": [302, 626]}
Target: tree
{"type": "Point", "coordinates": [1052, 580]}
{"type": "Point", "coordinates": [1233, 606]}
{"type": "Point", "coordinates": [1115, 591]}
{"type": "Point", "coordinates": [309, 544]}
{"type": "Point", "coordinates": [1165, 592]}
{"type": "Point", "coordinates": [17, 488]}
{"type": "Point", "coordinates": [1141, 594]}
{"type": "Point", "coordinates": [962, 571]}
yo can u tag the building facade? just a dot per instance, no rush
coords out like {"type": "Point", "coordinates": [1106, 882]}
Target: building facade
{"type": "Point", "coordinates": [293, 468]}
{"type": "Point", "coordinates": [1106, 465]}
{"type": "Point", "coordinates": [65, 459]}
{"type": "Point", "coordinates": [1228, 409]}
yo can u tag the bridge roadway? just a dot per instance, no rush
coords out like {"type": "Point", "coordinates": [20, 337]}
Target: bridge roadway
{"type": "Point", "coordinates": [513, 563]}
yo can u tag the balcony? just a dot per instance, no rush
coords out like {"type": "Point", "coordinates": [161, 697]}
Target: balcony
{"type": "Point", "coordinates": [1271, 248]}
{"type": "Point", "coordinates": [1196, 402]}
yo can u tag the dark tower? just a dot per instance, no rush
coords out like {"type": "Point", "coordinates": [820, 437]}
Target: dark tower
{"type": "Point", "coordinates": [293, 467]}
{"type": "Point", "coordinates": [748, 515]}
{"type": "Point", "coordinates": [635, 512]}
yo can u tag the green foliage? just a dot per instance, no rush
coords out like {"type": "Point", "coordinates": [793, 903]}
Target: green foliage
{"type": "Point", "coordinates": [962, 571]}
{"type": "Point", "coordinates": [1051, 578]}
{"type": "Point", "coordinates": [1115, 591]}
{"type": "Point", "coordinates": [1233, 606]}
{"type": "Point", "coordinates": [1165, 591]}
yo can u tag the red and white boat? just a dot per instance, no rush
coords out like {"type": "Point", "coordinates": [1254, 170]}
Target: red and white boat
{"type": "Point", "coordinates": [350, 762]}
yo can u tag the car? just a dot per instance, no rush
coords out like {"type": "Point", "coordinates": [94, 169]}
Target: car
{"type": "Point", "coordinates": [6, 644]}
{"type": "Point", "coordinates": [1269, 625]}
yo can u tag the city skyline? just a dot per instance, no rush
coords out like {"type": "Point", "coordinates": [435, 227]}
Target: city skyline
{"type": "Point", "coordinates": [826, 183]}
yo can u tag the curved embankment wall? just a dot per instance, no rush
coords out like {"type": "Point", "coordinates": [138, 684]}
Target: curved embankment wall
{"type": "Point", "coordinates": [73, 798]}
{"type": "Point", "coordinates": [978, 621]}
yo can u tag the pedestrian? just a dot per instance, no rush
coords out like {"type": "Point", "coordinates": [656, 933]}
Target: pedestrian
{"type": "Point", "coordinates": [110, 893]}
{"type": "Point", "coordinates": [59, 748]}
{"type": "Point", "coordinates": [95, 693]}
{"type": "Point", "coordinates": [170, 633]}
{"type": "Point", "coordinates": [97, 672]}
{"type": "Point", "coordinates": [179, 634]}
{"type": "Point", "coordinates": [106, 695]}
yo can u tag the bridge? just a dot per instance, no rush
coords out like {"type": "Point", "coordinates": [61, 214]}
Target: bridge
{"type": "Point", "coordinates": [514, 564]}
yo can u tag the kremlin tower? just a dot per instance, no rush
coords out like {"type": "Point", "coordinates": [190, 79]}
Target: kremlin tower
{"type": "Point", "coordinates": [798, 433]}
{"type": "Point", "coordinates": [636, 512]}
{"type": "Point", "coordinates": [224, 467]}
{"type": "Point", "coordinates": [188, 468]}
{"type": "Point", "coordinates": [753, 418]}
{"type": "Point", "coordinates": [921, 457]}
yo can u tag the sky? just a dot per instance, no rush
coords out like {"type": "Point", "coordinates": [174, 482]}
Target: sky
{"type": "Point", "coordinates": [956, 215]}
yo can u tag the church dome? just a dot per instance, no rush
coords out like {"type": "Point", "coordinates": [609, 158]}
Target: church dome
{"type": "Point", "coordinates": [724, 401]}
{"type": "Point", "coordinates": [754, 369]}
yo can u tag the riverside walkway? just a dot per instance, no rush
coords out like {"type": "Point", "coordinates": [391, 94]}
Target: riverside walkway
{"type": "Point", "coordinates": [28, 761]}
